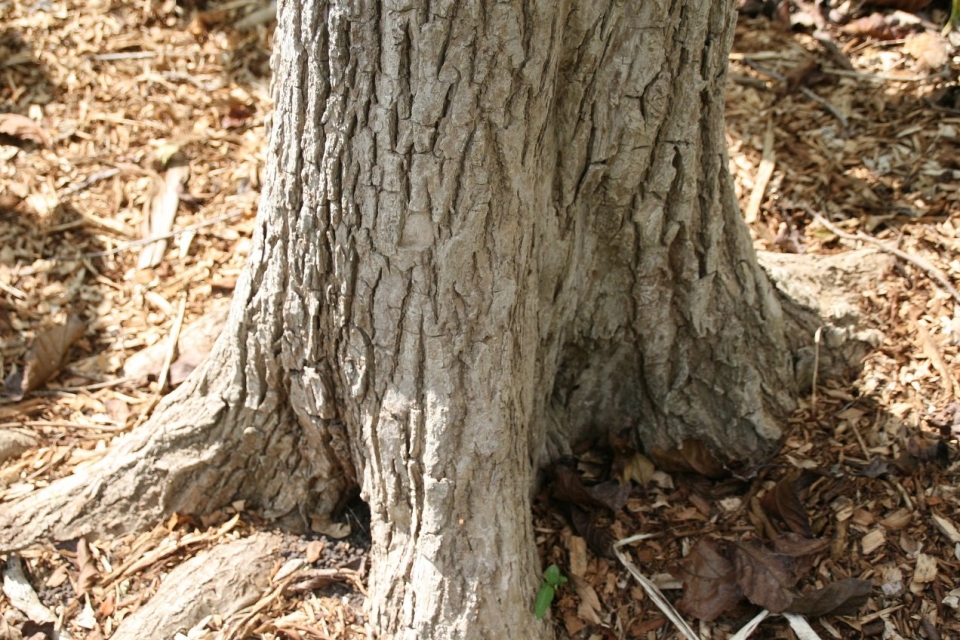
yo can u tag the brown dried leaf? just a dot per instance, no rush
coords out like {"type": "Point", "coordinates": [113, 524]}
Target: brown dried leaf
{"type": "Point", "coordinates": [803, 75]}
{"type": "Point", "coordinates": [637, 467]}
{"type": "Point", "coordinates": [237, 115]}
{"type": "Point", "coordinates": [876, 25]}
{"type": "Point", "coordinates": [796, 546]}
{"type": "Point", "coordinates": [841, 598]}
{"type": "Point", "coordinates": [598, 538]}
{"type": "Point", "coordinates": [45, 356]}
{"type": "Point", "coordinates": [89, 575]}
{"type": "Point", "coordinates": [766, 578]}
{"type": "Point", "coordinates": [930, 50]}
{"type": "Point", "coordinates": [569, 487]}
{"type": "Point", "coordinates": [709, 582]}
{"type": "Point", "coordinates": [783, 502]}
{"type": "Point", "coordinates": [22, 127]}
{"type": "Point", "coordinates": [692, 456]}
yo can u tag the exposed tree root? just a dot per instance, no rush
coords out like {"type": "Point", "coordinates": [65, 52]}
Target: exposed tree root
{"type": "Point", "coordinates": [823, 292]}
{"type": "Point", "coordinates": [221, 580]}
{"type": "Point", "coordinates": [200, 450]}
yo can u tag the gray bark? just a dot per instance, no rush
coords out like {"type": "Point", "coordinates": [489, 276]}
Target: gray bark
{"type": "Point", "coordinates": [487, 230]}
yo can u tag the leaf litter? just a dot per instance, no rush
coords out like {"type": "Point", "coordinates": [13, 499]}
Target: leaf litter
{"type": "Point", "coordinates": [867, 139]}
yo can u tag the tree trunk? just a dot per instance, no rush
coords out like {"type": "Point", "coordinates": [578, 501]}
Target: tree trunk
{"type": "Point", "coordinates": [488, 229]}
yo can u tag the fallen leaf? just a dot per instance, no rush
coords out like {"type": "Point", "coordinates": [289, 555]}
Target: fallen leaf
{"type": "Point", "coordinates": [88, 569]}
{"type": "Point", "coordinates": [796, 546]}
{"type": "Point", "coordinates": [598, 537]}
{"type": "Point", "coordinates": [589, 607]}
{"type": "Point", "coordinates": [692, 456]}
{"type": "Point", "coordinates": [569, 487]}
{"type": "Point", "coordinates": [876, 25]}
{"type": "Point", "coordinates": [803, 75]}
{"type": "Point", "coordinates": [709, 582]}
{"type": "Point", "coordinates": [782, 501]}
{"type": "Point", "coordinates": [637, 467]}
{"type": "Point", "coordinates": [22, 127]}
{"type": "Point", "coordinates": [45, 356]}
{"type": "Point", "coordinates": [236, 116]}
{"type": "Point", "coordinates": [841, 598]}
{"type": "Point", "coordinates": [765, 578]}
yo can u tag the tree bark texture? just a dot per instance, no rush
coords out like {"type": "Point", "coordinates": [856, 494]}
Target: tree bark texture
{"type": "Point", "coordinates": [487, 230]}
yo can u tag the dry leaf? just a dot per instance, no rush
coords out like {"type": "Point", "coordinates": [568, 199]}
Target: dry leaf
{"type": "Point", "coordinates": [876, 25]}
{"type": "Point", "coordinates": [841, 598]}
{"type": "Point", "coordinates": [88, 568]}
{"type": "Point", "coordinates": [22, 127]}
{"type": "Point", "coordinates": [637, 467]}
{"type": "Point", "coordinates": [692, 456]}
{"type": "Point", "coordinates": [589, 608]}
{"type": "Point", "coordinates": [796, 546]}
{"type": "Point", "coordinates": [599, 538]}
{"type": "Point", "coordinates": [569, 487]}
{"type": "Point", "coordinates": [45, 356]}
{"type": "Point", "coordinates": [782, 501]}
{"type": "Point", "coordinates": [709, 582]}
{"type": "Point", "coordinates": [803, 75]}
{"type": "Point", "coordinates": [766, 578]}
{"type": "Point", "coordinates": [237, 115]}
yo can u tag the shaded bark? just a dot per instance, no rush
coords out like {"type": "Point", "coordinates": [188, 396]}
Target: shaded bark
{"type": "Point", "coordinates": [487, 230]}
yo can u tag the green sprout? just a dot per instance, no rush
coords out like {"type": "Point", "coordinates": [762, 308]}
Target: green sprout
{"type": "Point", "coordinates": [552, 580]}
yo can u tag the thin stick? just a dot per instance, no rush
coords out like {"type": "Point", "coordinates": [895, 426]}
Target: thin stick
{"type": "Point", "coordinates": [916, 261]}
{"type": "Point", "coordinates": [172, 347]}
{"type": "Point", "coordinates": [805, 91]}
{"type": "Point", "coordinates": [816, 365]}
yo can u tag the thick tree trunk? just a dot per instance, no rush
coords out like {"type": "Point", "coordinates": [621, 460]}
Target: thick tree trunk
{"type": "Point", "coordinates": [488, 229]}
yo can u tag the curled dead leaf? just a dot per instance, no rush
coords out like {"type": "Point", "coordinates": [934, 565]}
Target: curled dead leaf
{"type": "Point", "coordinates": [45, 356]}
{"type": "Point", "coordinates": [765, 577]}
{"type": "Point", "coordinates": [783, 502]}
{"type": "Point", "coordinates": [841, 598]}
{"type": "Point", "coordinates": [692, 456]}
{"type": "Point", "coordinates": [23, 128]}
{"type": "Point", "coordinates": [709, 582]}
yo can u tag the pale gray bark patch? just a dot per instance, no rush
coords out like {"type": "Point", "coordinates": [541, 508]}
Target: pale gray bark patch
{"type": "Point", "coordinates": [221, 580]}
{"type": "Point", "coordinates": [823, 292]}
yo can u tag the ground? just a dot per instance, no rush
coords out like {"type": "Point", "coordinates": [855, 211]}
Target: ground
{"type": "Point", "coordinates": [116, 94]}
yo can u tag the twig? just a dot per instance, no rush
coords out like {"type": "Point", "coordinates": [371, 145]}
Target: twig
{"type": "Point", "coordinates": [916, 261]}
{"type": "Point", "coordinates": [655, 595]}
{"type": "Point", "coordinates": [172, 347]}
{"type": "Point", "coordinates": [161, 236]}
{"type": "Point", "coordinates": [89, 180]}
{"type": "Point", "coordinates": [884, 77]}
{"type": "Point", "coordinates": [805, 91]}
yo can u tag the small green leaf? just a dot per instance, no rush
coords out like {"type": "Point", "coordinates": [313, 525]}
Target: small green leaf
{"type": "Point", "coordinates": [544, 598]}
{"type": "Point", "coordinates": [552, 575]}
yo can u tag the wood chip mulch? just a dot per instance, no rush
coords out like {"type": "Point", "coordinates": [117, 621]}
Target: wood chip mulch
{"type": "Point", "coordinates": [112, 109]}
